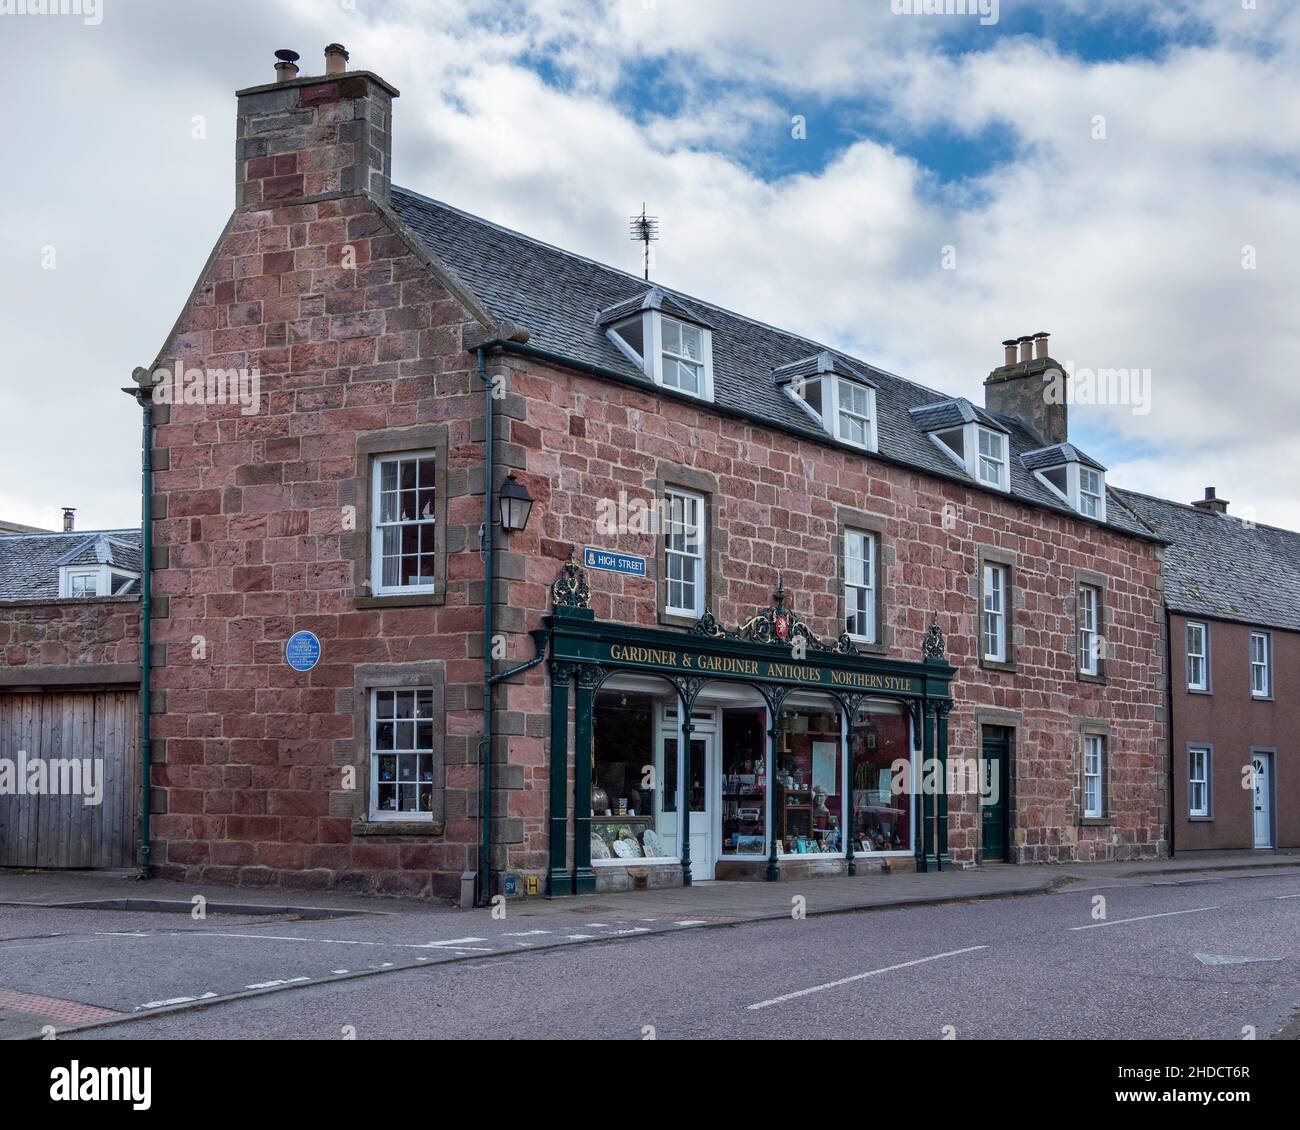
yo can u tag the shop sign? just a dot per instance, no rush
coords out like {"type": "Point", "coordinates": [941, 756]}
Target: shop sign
{"type": "Point", "coordinates": [830, 678]}
{"type": "Point", "coordinates": [628, 564]}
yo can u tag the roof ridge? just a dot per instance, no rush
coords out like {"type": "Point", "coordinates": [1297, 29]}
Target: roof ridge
{"type": "Point", "coordinates": [667, 289]}
{"type": "Point", "coordinates": [1190, 506]}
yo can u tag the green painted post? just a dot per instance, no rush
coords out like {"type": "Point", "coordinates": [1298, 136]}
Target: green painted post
{"type": "Point", "coordinates": [584, 878]}
{"type": "Point", "coordinates": [560, 880]}
{"type": "Point", "coordinates": [684, 789]}
{"type": "Point", "coordinates": [941, 718]}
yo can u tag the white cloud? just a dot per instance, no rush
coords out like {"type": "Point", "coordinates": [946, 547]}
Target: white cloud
{"type": "Point", "coordinates": [1128, 249]}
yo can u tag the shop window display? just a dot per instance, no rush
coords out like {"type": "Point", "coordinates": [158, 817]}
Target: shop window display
{"type": "Point", "coordinates": [880, 820]}
{"type": "Point", "coordinates": [622, 780]}
{"type": "Point", "coordinates": [744, 782]}
{"type": "Point", "coordinates": [808, 793]}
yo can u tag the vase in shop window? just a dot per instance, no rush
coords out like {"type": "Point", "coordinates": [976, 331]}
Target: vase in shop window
{"type": "Point", "coordinates": [599, 799]}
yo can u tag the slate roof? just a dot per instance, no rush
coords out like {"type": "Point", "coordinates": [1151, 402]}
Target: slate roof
{"type": "Point", "coordinates": [953, 414]}
{"type": "Point", "coordinates": [559, 296]}
{"type": "Point", "coordinates": [1220, 568]}
{"type": "Point", "coordinates": [1055, 455]}
{"type": "Point", "coordinates": [29, 563]}
{"type": "Point", "coordinates": [818, 363]}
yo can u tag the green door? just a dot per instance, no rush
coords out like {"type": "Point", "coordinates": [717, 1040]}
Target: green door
{"type": "Point", "coordinates": [996, 768]}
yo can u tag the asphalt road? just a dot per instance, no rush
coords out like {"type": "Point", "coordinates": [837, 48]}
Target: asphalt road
{"type": "Point", "coordinates": [1192, 958]}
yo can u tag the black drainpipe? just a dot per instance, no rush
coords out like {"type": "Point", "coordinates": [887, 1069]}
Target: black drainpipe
{"type": "Point", "coordinates": [141, 394]}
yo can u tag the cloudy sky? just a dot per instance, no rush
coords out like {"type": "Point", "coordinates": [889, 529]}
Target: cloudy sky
{"type": "Point", "coordinates": [911, 188]}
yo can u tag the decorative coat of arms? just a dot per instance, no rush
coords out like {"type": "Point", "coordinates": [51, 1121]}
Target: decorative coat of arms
{"type": "Point", "coordinates": [777, 624]}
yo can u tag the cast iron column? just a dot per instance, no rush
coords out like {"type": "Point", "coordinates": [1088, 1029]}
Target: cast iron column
{"type": "Point", "coordinates": [560, 881]}
{"type": "Point", "coordinates": [584, 878]}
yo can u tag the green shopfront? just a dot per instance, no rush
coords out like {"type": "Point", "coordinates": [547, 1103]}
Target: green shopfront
{"type": "Point", "coordinates": [757, 752]}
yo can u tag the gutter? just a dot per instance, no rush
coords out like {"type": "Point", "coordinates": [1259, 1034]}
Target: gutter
{"type": "Point", "coordinates": [142, 397]}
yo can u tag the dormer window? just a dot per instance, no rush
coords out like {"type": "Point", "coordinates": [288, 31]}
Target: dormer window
{"type": "Point", "coordinates": [840, 399]}
{"type": "Point", "coordinates": [1071, 476]}
{"type": "Point", "coordinates": [665, 340]}
{"type": "Point", "coordinates": [971, 438]}
{"type": "Point", "coordinates": [96, 580]}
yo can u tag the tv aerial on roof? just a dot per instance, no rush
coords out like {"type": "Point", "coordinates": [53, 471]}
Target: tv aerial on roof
{"type": "Point", "coordinates": [645, 230]}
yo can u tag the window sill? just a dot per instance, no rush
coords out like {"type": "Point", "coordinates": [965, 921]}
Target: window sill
{"type": "Point", "coordinates": [1006, 665]}
{"type": "Point", "coordinates": [869, 648]}
{"type": "Point", "coordinates": [401, 600]}
{"type": "Point", "coordinates": [397, 827]}
{"type": "Point", "coordinates": [1085, 677]}
{"type": "Point", "coordinates": [1199, 690]}
{"type": "Point", "coordinates": [1201, 819]}
{"type": "Point", "coordinates": [1261, 698]}
{"type": "Point", "coordinates": [678, 619]}
{"type": "Point", "coordinates": [1096, 821]}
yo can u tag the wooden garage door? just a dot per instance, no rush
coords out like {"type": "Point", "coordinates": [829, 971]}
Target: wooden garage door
{"type": "Point", "coordinates": [48, 830]}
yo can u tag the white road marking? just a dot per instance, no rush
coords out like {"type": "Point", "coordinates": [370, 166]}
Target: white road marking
{"type": "Point", "coordinates": [525, 933]}
{"type": "Point", "coordinates": [338, 970]}
{"type": "Point", "coordinates": [1226, 959]}
{"type": "Point", "coordinates": [457, 942]}
{"type": "Point", "coordinates": [579, 937]}
{"type": "Point", "coordinates": [861, 976]}
{"type": "Point", "coordinates": [596, 925]}
{"type": "Point", "coordinates": [690, 922]}
{"type": "Point", "coordinates": [1145, 917]}
{"type": "Point", "coordinates": [116, 934]}
{"type": "Point", "coordinates": [273, 984]}
{"type": "Point", "coordinates": [175, 1000]}
{"type": "Point", "coordinates": [1286, 896]}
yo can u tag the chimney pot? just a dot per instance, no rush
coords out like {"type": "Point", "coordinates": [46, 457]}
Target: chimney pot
{"type": "Point", "coordinates": [1040, 344]}
{"type": "Point", "coordinates": [286, 66]}
{"type": "Point", "coordinates": [1009, 351]}
{"type": "Point", "coordinates": [336, 59]}
{"type": "Point", "coordinates": [1212, 502]}
{"type": "Point", "coordinates": [1026, 347]}
{"type": "Point", "coordinates": [69, 514]}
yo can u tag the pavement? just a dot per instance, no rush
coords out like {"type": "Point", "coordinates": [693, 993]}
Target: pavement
{"type": "Point", "coordinates": [98, 950]}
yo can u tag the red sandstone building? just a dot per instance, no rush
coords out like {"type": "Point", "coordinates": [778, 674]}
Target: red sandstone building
{"type": "Point", "coordinates": [763, 591]}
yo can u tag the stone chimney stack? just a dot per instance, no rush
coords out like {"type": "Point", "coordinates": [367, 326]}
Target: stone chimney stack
{"type": "Point", "coordinates": [69, 518]}
{"type": "Point", "coordinates": [307, 137]}
{"type": "Point", "coordinates": [1212, 502]}
{"type": "Point", "coordinates": [1030, 386]}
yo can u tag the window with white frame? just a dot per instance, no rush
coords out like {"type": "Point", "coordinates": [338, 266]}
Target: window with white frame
{"type": "Point", "coordinates": [860, 585]}
{"type": "Point", "coordinates": [1261, 673]}
{"type": "Point", "coordinates": [992, 465]}
{"type": "Point", "coordinates": [1198, 781]}
{"type": "Point", "coordinates": [401, 754]}
{"type": "Point", "coordinates": [682, 349]}
{"type": "Point", "coordinates": [83, 582]}
{"type": "Point", "coordinates": [1090, 493]}
{"type": "Point", "coordinates": [1089, 617]}
{"type": "Point", "coordinates": [1094, 757]}
{"type": "Point", "coordinates": [855, 412]}
{"type": "Point", "coordinates": [1198, 665]}
{"type": "Point", "coordinates": [403, 554]}
{"type": "Point", "coordinates": [77, 581]}
{"type": "Point", "coordinates": [995, 613]}
{"type": "Point", "coordinates": [684, 549]}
